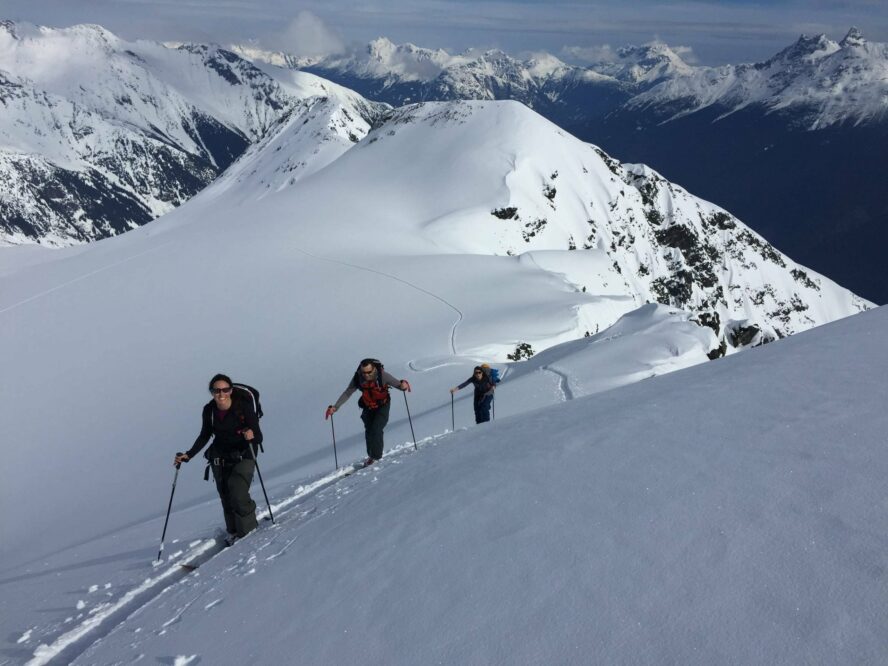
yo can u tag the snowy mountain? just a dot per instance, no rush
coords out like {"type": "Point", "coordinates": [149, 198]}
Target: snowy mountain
{"type": "Point", "coordinates": [823, 82]}
{"type": "Point", "coordinates": [99, 135]}
{"type": "Point", "coordinates": [85, 157]}
{"type": "Point", "coordinates": [446, 234]}
{"type": "Point", "coordinates": [805, 131]}
{"type": "Point", "coordinates": [403, 73]}
{"type": "Point", "coordinates": [793, 145]}
{"type": "Point", "coordinates": [723, 513]}
{"type": "Point", "coordinates": [816, 82]}
{"type": "Point", "coordinates": [621, 232]}
{"type": "Point", "coordinates": [451, 232]}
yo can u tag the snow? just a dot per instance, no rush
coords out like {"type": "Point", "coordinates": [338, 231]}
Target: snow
{"type": "Point", "coordinates": [601, 517]}
{"type": "Point", "coordinates": [690, 518]}
{"type": "Point", "coordinates": [287, 292]}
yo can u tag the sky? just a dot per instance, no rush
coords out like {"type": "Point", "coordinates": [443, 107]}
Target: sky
{"type": "Point", "coordinates": [712, 32]}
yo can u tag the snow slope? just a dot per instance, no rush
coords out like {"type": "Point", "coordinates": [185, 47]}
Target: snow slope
{"type": "Point", "coordinates": [729, 513]}
{"type": "Point", "coordinates": [389, 251]}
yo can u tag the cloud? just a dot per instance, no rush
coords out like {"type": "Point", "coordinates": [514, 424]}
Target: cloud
{"type": "Point", "coordinates": [605, 53]}
{"type": "Point", "coordinates": [589, 55]}
{"type": "Point", "coordinates": [308, 35]}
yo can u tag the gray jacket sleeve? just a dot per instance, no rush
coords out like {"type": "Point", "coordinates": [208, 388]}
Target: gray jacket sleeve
{"type": "Point", "coordinates": [390, 380]}
{"type": "Point", "coordinates": [346, 394]}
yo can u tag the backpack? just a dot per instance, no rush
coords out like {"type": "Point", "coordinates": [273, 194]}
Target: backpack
{"type": "Point", "coordinates": [492, 373]}
{"type": "Point", "coordinates": [375, 395]}
{"type": "Point", "coordinates": [249, 395]}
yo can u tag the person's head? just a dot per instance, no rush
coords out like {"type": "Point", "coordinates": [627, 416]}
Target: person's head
{"type": "Point", "coordinates": [220, 387]}
{"type": "Point", "coordinates": [367, 369]}
{"type": "Point", "coordinates": [478, 372]}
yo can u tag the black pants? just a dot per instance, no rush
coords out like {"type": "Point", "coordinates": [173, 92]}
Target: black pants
{"type": "Point", "coordinates": [374, 423]}
{"type": "Point", "coordinates": [233, 483]}
{"type": "Point", "coordinates": [482, 408]}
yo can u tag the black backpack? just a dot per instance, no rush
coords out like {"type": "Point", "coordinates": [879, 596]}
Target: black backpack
{"type": "Point", "coordinates": [249, 395]}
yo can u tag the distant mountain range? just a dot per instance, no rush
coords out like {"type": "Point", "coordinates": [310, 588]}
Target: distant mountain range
{"type": "Point", "coordinates": [795, 145]}
{"type": "Point", "coordinates": [823, 81]}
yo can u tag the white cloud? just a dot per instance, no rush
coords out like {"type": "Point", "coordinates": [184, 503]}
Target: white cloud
{"type": "Point", "coordinates": [308, 35]}
{"type": "Point", "coordinates": [589, 54]}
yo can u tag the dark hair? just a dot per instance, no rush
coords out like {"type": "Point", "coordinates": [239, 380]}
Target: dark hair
{"type": "Point", "coordinates": [478, 368]}
{"type": "Point", "coordinates": [220, 377]}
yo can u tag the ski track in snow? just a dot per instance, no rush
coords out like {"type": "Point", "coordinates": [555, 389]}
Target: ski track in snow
{"type": "Point", "coordinates": [70, 645]}
{"type": "Point", "coordinates": [564, 383]}
{"type": "Point", "coordinates": [84, 276]}
{"type": "Point", "coordinates": [459, 313]}
{"type": "Point", "coordinates": [75, 642]}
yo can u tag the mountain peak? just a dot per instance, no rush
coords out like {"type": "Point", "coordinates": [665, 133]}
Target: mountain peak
{"type": "Point", "coordinates": [541, 65]}
{"type": "Point", "coordinates": [383, 57]}
{"type": "Point", "coordinates": [853, 38]}
{"type": "Point", "coordinates": [648, 62]}
{"type": "Point", "coordinates": [382, 48]}
{"type": "Point", "coordinates": [379, 46]}
{"type": "Point", "coordinates": [807, 48]}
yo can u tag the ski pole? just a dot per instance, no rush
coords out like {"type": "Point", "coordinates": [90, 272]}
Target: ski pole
{"type": "Point", "coordinates": [261, 483]}
{"type": "Point", "coordinates": [415, 447]}
{"type": "Point", "coordinates": [452, 417]}
{"type": "Point", "coordinates": [169, 506]}
{"type": "Point", "coordinates": [333, 430]}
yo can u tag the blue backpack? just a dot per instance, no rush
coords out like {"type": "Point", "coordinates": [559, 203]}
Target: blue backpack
{"type": "Point", "coordinates": [494, 375]}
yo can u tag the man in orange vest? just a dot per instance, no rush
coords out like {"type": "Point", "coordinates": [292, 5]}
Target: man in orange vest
{"type": "Point", "coordinates": [373, 382]}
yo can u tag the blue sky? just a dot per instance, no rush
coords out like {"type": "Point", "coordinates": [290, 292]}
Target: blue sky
{"type": "Point", "coordinates": [716, 32]}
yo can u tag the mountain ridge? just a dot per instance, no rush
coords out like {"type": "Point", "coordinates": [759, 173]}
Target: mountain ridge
{"type": "Point", "coordinates": [117, 133]}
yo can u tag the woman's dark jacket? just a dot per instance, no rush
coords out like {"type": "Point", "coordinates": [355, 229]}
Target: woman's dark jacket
{"type": "Point", "coordinates": [227, 432]}
{"type": "Point", "coordinates": [483, 386]}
